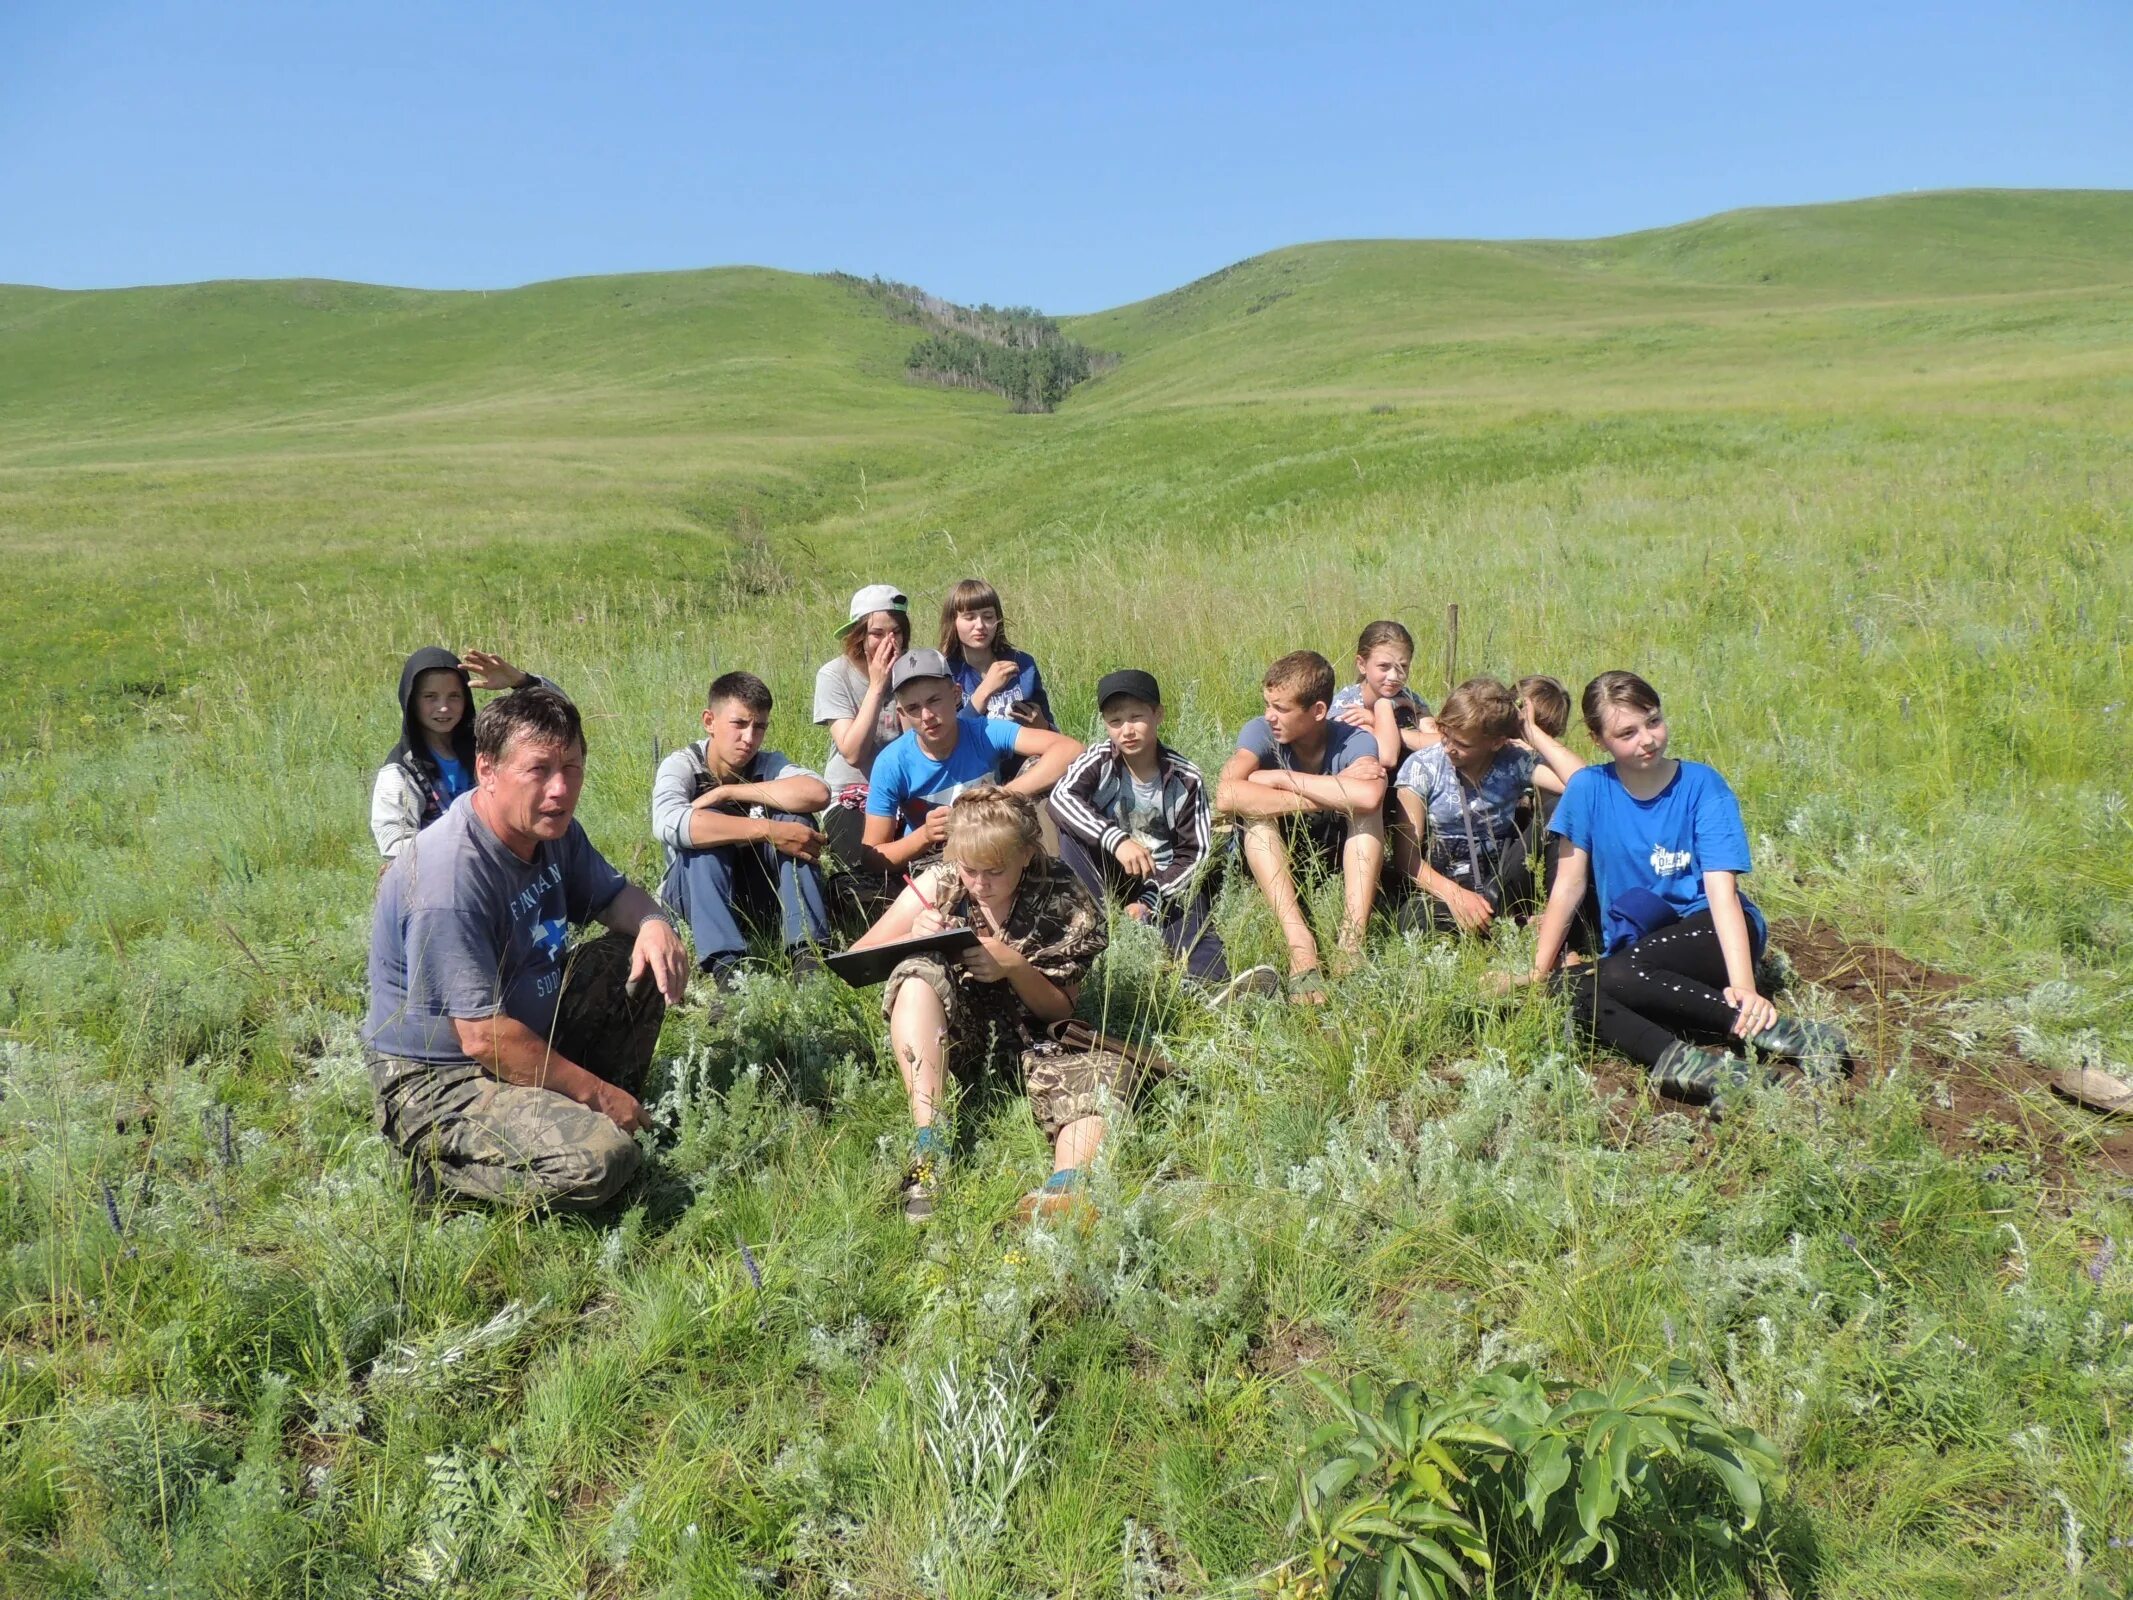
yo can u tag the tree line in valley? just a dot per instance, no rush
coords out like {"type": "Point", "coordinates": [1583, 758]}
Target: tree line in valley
{"type": "Point", "coordinates": [1016, 352]}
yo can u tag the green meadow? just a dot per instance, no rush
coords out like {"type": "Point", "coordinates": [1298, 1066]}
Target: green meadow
{"type": "Point", "coordinates": [1850, 484]}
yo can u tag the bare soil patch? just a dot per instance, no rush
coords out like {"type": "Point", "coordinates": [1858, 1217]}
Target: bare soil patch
{"type": "Point", "coordinates": [1984, 1099]}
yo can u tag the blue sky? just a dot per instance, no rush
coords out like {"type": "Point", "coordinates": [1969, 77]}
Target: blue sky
{"type": "Point", "coordinates": [1068, 157]}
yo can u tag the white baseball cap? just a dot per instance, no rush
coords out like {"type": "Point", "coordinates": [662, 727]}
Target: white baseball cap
{"type": "Point", "coordinates": [875, 597]}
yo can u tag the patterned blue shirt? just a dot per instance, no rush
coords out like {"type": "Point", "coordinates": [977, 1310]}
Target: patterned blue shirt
{"type": "Point", "coordinates": [1490, 807]}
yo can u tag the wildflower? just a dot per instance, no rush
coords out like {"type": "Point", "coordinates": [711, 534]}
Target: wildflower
{"type": "Point", "coordinates": [1850, 1241]}
{"type": "Point", "coordinates": [111, 1210]}
{"type": "Point", "coordinates": [755, 1273]}
{"type": "Point", "coordinates": [2104, 1258]}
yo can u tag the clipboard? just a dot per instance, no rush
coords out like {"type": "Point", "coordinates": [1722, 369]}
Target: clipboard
{"type": "Point", "coordinates": [863, 968]}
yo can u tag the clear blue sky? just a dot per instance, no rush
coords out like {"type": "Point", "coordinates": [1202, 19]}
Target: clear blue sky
{"type": "Point", "coordinates": [1069, 157]}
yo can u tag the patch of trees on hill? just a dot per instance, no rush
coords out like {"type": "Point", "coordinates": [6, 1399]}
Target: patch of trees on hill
{"type": "Point", "coordinates": [1016, 352]}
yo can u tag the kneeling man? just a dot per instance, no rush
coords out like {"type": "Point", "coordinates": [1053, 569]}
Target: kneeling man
{"type": "Point", "coordinates": [505, 1065]}
{"type": "Point", "coordinates": [739, 829]}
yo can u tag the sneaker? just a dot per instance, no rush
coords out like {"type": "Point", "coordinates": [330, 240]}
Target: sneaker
{"type": "Point", "coordinates": [1261, 981]}
{"type": "Point", "coordinates": [1696, 1073]}
{"type": "Point", "coordinates": [921, 1185]}
{"type": "Point", "coordinates": [1061, 1194]}
{"type": "Point", "coordinates": [1819, 1047]}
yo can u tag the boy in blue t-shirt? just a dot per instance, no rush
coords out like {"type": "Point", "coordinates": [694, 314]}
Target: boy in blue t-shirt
{"type": "Point", "coordinates": [1299, 782]}
{"type": "Point", "coordinates": [943, 751]}
{"type": "Point", "coordinates": [1664, 842]}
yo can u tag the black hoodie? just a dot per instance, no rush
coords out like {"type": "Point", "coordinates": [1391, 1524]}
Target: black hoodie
{"type": "Point", "coordinates": [412, 753]}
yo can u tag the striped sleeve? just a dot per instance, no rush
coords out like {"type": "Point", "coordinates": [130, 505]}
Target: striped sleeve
{"type": "Point", "coordinates": [1073, 801]}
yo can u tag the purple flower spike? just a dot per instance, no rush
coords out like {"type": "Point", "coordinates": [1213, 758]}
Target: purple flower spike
{"type": "Point", "coordinates": [1850, 1241]}
{"type": "Point", "coordinates": [111, 1210]}
{"type": "Point", "coordinates": [2104, 1258]}
{"type": "Point", "coordinates": [755, 1273]}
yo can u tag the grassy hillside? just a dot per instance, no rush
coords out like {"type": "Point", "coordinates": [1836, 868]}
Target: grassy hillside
{"type": "Point", "coordinates": [1848, 482]}
{"type": "Point", "coordinates": [1940, 287]}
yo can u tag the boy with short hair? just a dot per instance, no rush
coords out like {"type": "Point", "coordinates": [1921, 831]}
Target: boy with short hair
{"type": "Point", "coordinates": [738, 825]}
{"type": "Point", "coordinates": [943, 751]}
{"type": "Point", "coordinates": [1134, 819]}
{"type": "Point", "coordinates": [1299, 782]}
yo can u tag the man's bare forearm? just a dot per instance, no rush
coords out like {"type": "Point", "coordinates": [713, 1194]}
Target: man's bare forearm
{"type": "Point", "coordinates": [513, 1053]}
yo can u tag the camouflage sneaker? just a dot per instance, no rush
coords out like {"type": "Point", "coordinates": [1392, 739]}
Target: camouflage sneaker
{"type": "Point", "coordinates": [1819, 1047]}
{"type": "Point", "coordinates": [1696, 1073]}
{"type": "Point", "coordinates": [921, 1184]}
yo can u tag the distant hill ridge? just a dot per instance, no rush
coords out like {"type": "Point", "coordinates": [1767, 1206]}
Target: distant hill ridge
{"type": "Point", "coordinates": [722, 346]}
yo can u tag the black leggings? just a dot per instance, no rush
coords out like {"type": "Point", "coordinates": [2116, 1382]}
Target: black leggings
{"type": "Point", "coordinates": [1643, 997]}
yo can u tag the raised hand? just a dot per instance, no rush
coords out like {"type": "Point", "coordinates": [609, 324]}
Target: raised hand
{"type": "Point", "coordinates": [487, 670]}
{"type": "Point", "coordinates": [881, 657]}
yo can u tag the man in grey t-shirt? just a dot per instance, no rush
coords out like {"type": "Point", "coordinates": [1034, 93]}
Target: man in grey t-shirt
{"type": "Point", "coordinates": [503, 1063]}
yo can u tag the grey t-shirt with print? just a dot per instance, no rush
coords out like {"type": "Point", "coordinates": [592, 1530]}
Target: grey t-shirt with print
{"type": "Point", "coordinates": [465, 929]}
{"type": "Point", "coordinates": [839, 688]}
{"type": "Point", "coordinates": [1145, 819]}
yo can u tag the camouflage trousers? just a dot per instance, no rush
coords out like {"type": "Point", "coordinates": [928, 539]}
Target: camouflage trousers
{"type": "Point", "coordinates": [983, 1035]}
{"type": "Point", "coordinates": [499, 1141]}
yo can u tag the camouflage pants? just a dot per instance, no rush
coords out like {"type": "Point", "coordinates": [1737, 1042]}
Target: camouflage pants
{"type": "Point", "coordinates": [1063, 1085]}
{"type": "Point", "coordinates": [499, 1141]}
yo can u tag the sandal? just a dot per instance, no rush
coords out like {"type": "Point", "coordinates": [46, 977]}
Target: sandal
{"type": "Point", "coordinates": [1307, 988]}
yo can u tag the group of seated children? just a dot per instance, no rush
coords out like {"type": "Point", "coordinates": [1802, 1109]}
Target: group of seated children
{"type": "Point", "coordinates": [947, 784]}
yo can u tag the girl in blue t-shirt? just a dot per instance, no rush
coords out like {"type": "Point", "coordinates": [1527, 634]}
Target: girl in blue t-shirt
{"type": "Point", "coordinates": [997, 680]}
{"type": "Point", "coordinates": [1663, 841]}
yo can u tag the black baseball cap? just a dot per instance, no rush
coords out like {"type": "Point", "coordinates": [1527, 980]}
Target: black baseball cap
{"type": "Point", "coordinates": [1128, 681]}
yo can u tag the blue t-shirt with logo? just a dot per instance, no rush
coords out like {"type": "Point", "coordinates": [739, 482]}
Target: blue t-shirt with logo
{"type": "Point", "coordinates": [464, 928]}
{"type": "Point", "coordinates": [907, 783]}
{"type": "Point", "coordinates": [1662, 846]}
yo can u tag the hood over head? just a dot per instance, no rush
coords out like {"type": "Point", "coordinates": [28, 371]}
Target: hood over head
{"type": "Point", "coordinates": [413, 748]}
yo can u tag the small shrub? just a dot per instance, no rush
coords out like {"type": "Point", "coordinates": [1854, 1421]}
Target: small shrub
{"type": "Point", "coordinates": [1416, 1499]}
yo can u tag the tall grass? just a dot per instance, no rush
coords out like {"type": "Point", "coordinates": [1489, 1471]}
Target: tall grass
{"type": "Point", "coordinates": [236, 1358]}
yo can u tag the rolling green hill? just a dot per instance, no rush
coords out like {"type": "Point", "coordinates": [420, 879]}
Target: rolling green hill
{"type": "Point", "coordinates": [159, 445]}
